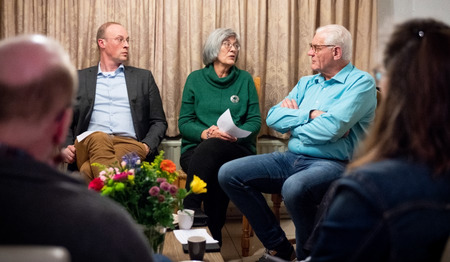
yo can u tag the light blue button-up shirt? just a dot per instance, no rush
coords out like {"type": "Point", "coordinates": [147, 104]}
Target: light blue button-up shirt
{"type": "Point", "coordinates": [349, 100]}
{"type": "Point", "coordinates": [112, 113]}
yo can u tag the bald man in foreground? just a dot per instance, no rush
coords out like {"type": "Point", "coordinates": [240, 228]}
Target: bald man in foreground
{"type": "Point", "coordinates": [41, 206]}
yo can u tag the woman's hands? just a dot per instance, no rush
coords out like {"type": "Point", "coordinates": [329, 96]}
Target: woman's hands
{"type": "Point", "coordinates": [214, 132]}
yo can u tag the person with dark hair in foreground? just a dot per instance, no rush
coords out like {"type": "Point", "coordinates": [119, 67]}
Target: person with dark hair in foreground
{"type": "Point", "coordinates": [393, 204]}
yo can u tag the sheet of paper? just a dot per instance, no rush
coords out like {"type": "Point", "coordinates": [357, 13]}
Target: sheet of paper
{"type": "Point", "coordinates": [83, 135]}
{"type": "Point", "coordinates": [182, 235]}
{"type": "Point", "coordinates": [226, 124]}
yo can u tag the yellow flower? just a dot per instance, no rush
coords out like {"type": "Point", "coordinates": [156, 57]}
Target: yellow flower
{"type": "Point", "coordinates": [198, 186]}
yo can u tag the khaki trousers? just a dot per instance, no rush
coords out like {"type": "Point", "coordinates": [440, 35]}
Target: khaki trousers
{"type": "Point", "coordinates": [104, 149]}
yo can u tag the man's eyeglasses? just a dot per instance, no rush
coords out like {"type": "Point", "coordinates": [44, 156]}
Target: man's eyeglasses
{"type": "Point", "coordinates": [228, 45]}
{"type": "Point", "coordinates": [317, 48]}
{"type": "Point", "coordinates": [120, 40]}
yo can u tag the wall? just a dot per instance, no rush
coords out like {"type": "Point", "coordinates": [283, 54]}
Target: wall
{"type": "Point", "coordinates": [391, 12]}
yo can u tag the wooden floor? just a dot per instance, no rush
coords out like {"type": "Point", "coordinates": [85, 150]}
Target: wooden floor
{"type": "Point", "coordinates": [231, 247]}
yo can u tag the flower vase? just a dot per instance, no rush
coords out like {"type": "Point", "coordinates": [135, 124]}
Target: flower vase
{"type": "Point", "coordinates": [155, 236]}
{"type": "Point", "coordinates": [185, 218]}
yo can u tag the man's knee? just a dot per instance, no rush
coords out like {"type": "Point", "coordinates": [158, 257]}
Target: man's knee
{"type": "Point", "coordinates": [86, 171]}
{"type": "Point", "coordinates": [294, 192]}
{"type": "Point", "coordinates": [99, 137]}
{"type": "Point", "coordinates": [229, 174]}
{"type": "Point", "coordinates": [225, 174]}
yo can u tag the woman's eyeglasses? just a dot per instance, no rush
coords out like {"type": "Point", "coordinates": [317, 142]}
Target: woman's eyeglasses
{"type": "Point", "coordinates": [229, 45]}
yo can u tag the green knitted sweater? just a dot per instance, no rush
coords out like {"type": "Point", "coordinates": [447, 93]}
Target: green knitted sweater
{"type": "Point", "coordinates": [206, 97]}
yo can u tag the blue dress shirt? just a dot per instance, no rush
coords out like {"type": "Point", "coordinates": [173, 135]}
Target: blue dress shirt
{"type": "Point", "coordinates": [112, 113]}
{"type": "Point", "coordinates": [349, 100]}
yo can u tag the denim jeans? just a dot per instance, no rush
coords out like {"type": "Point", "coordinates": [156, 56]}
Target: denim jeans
{"type": "Point", "coordinates": [302, 180]}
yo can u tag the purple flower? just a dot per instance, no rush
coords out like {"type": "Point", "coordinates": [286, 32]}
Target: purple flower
{"type": "Point", "coordinates": [131, 159]}
{"type": "Point", "coordinates": [161, 198]}
{"type": "Point", "coordinates": [154, 191]}
{"type": "Point", "coordinates": [161, 179]}
{"type": "Point", "coordinates": [165, 186]}
{"type": "Point", "coordinates": [173, 189]}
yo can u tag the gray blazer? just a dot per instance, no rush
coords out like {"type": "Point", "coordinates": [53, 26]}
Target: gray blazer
{"type": "Point", "coordinates": [147, 112]}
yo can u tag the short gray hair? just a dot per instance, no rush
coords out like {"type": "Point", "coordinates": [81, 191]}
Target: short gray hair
{"type": "Point", "coordinates": [338, 35]}
{"type": "Point", "coordinates": [214, 43]}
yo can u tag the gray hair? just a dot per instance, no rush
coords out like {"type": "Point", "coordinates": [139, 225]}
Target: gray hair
{"type": "Point", "coordinates": [338, 35]}
{"type": "Point", "coordinates": [214, 43]}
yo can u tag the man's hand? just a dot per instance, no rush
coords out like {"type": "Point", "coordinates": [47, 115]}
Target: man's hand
{"type": "Point", "coordinates": [147, 148]}
{"type": "Point", "coordinates": [315, 113]}
{"type": "Point", "coordinates": [69, 154]}
{"type": "Point", "coordinates": [289, 103]}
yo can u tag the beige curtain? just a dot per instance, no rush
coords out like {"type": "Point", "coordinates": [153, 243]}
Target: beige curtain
{"type": "Point", "coordinates": [167, 36]}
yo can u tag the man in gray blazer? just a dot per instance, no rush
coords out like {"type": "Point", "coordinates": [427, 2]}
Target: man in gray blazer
{"type": "Point", "coordinates": [118, 108]}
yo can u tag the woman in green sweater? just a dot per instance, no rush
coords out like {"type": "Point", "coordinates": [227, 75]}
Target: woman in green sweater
{"type": "Point", "coordinates": [207, 94]}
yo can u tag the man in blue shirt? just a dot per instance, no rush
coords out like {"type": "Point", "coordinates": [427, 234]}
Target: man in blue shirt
{"type": "Point", "coordinates": [327, 115]}
{"type": "Point", "coordinates": [118, 108]}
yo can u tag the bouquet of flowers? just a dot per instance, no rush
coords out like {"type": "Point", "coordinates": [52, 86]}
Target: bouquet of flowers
{"type": "Point", "coordinates": [145, 189]}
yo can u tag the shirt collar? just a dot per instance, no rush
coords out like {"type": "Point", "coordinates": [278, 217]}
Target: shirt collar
{"type": "Point", "coordinates": [340, 77]}
{"type": "Point", "coordinates": [120, 69]}
{"type": "Point", "coordinates": [343, 74]}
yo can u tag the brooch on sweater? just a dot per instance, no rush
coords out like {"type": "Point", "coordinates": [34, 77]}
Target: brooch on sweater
{"type": "Point", "coordinates": [234, 99]}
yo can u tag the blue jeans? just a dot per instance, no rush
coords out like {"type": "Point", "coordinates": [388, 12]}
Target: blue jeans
{"type": "Point", "coordinates": [302, 180]}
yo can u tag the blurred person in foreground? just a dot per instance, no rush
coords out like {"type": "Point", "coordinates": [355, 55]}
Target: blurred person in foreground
{"type": "Point", "coordinates": [393, 204]}
{"type": "Point", "coordinates": [42, 206]}
{"type": "Point", "coordinates": [118, 108]}
{"type": "Point", "coordinates": [207, 94]}
{"type": "Point", "coordinates": [327, 114]}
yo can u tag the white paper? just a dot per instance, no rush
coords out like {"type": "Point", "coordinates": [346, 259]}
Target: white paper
{"type": "Point", "coordinates": [182, 235]}
{"type": "Point", "coordinates": [83, 135]}
{"type": "Point", "coordinates": [226, 124]}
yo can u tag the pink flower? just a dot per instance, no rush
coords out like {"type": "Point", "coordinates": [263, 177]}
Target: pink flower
{"type": "Point", "coordinates": [161, 179]}
{"type": "Point", "coordinates": [161, 198]}
{"type": "Point", "coordinates": [103, 177]}
{"type": "Point", "coordinates": [96, 184]}
{"type": "Point", "coordinates": [165, 186]}
{"type": "Point", "coordinates": [121, 176]}
{"type": "Point", "coordinates": [173, 189]}
{"type": "Point", "coordinates": [154, 191]}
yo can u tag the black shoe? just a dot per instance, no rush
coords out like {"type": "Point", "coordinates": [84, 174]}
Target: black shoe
{"type": "Point", "coordinates": [200, 218]}
{"type": "Point", "coordinates": [274, 256]}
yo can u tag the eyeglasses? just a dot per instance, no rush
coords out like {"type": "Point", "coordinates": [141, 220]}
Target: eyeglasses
{"type": "Point", "coordinates": [317, 48]}
{"type": "Point", "coordinates": [228, 45]}
{"type": "Point", "coordinates": [120, 40]}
